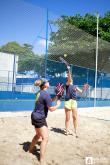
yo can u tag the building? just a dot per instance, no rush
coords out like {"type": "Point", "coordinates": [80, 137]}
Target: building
{"type": "Point", "coordinates": [8, 70]}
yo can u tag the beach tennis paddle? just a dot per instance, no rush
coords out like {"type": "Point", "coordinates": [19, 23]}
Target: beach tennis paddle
{"type": "Point", "coordinates": [59, 90]}
{"type": "Point", "coordinates": [65, 62]}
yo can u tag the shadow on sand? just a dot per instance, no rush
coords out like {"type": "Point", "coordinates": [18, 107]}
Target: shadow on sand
{"type": "Point", "coordinates": [58, 130]}
{"type": "Point", "coordinates": [35, 150]}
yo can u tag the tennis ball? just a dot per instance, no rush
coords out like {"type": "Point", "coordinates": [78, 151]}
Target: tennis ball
{"type": "Point", "coordinates": [65, 55]}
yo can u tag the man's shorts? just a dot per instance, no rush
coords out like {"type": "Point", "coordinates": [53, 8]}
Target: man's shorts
{"type": "Point", "coordinates": [71, 104]}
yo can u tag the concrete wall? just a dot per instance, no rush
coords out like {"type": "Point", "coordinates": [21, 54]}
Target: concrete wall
{"type": "Point", "coordinates": [8, 68]}
{"type": "Point", "coordinates": [103, 93]}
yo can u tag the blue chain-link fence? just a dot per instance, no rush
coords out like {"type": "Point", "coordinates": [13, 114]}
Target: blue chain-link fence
{"type": "Point", "coordinates": [32, 50]}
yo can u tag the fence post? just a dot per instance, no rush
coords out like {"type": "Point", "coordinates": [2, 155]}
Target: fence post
{"type": "Point", "coordinates": [95, 92]}
{"type": "Point", "coordinates": [13, 78]}
{"type": "Point", "coordinates": [46, 49]}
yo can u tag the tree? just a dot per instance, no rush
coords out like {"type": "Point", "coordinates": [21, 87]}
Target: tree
{"type": "Point", "coordinates": [76, 37]}
{"type": "Point", "coordinates": [28, 60]}
{"type": "Point", "coordinates": [16, 48]}
{"type": "Point", "coordinates": [12, 47]}
{"type": "Point", "coordinates": [88, 24]}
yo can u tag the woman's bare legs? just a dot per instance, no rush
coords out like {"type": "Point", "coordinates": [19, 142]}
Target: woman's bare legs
{"type": "Point", "coordinates": [67, 119]}
{"type": "Point", "coordinates": [34, 141]}
{"type": "Point", "coordinates": [40, 132]}
{"type": "Point", "coordinates": [43, 131]}
{"type": "Point", "coordinates": [75, 120]}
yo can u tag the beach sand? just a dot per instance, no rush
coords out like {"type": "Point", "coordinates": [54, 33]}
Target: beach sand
{"type": "Point", "coordinates": [16, 133]}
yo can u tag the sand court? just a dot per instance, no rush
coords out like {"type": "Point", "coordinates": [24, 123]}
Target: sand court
{"type": "Point", "coordinates": [16, 133]}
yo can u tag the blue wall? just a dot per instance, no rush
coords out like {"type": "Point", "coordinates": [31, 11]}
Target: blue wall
{"type": "Point", "coordinates": [16, 95]}
{"type": "Point", "coordinates": [28, 105]}
{"type": "Point", "coordinates": [16, 101]}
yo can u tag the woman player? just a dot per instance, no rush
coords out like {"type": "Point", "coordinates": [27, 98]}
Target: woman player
{"type": "Point", "coordinates": [71, 103]}
{"type": "Point", "coordinates": [39, 115]}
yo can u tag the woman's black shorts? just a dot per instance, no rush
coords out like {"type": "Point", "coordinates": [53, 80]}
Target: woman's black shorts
{"type": "Point", "coordinates": [39, 123]}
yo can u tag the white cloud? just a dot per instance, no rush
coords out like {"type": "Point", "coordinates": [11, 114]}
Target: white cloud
{"type": "Point", "coordinates": [42, 42]}
{"type": "Point", "coordinates": [40, 46]}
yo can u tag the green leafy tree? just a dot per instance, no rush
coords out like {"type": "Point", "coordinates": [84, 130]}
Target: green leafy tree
{"type": "Point", "coordinates": [28, 60]}
{"type": "Point", "coordinates": [16, 48]}
{"type": "Point", "coordinates": [88, 24]}
{"type": "Point", "coordinates": [76, 37]}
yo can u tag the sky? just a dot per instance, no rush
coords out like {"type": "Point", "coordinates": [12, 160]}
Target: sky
{"type": "Point", "coordinates": [24, 21]}
{"type": "Point", "coordinates": [71, 7]}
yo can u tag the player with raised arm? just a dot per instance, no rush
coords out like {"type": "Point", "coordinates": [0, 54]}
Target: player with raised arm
{"type": "Point", "coordinates": [71, 102]}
